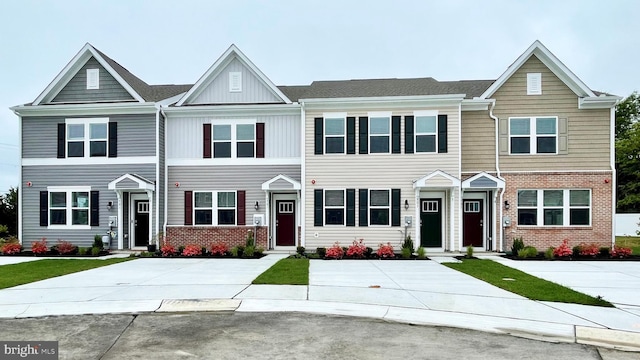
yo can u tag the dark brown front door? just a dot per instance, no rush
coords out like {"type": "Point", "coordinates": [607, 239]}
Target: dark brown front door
{"type": "Point", "coordinates": [285, 223]}
{"type": "Point", "coordinates": [141, 222]}
{"type": "Point", "coordinates": [472, 223]}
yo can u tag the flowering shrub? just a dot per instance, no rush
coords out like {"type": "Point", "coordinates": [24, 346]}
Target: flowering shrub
{"type": "Point", "coordinates": [385, 251]}
{"type": "Point", "coordinates": [334, 252]}
{"type": "Point", "coordinates": [167, 249]}
{"type": "Point", "coordinates": [589, 250]}
{"type": "Point", "coordinates": [11, 248]}
{"type": "Point", "coordinates": [563, 250]}
{"type": "Point", "coordinates": [39, 247]}
{"type": "Point", "coordinates": [219, 249]}
{"type": "Point", "coordinates": [357, 249]}
{"type": "Point", "coordinates": [192, 250]}
{"type": "Point", "coordinates": [621, 252]}
{"type": "Point", "coordinates": [65, 247]}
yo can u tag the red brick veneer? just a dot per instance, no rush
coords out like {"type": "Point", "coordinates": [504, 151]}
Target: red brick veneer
{"type": "Point", "coordinates": [207, 235]}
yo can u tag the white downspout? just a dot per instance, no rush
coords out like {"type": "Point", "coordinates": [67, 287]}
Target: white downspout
{"type": "Point", "coordinates": [303, 181]}
{"type": "Point", "coordinates": [157, 191]}
{"type": "Point", "coordinates": [166, 173]}
{"type": "Point", "coordinates": [20, 184]}
{"type": "Point", "coordinates": [614, 175]}
{"type": "Point", "coordinates": [497, 139]}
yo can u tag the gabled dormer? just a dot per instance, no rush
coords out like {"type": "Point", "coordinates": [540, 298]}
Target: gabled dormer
{"type": "Point", "coordinates": [233, 79]}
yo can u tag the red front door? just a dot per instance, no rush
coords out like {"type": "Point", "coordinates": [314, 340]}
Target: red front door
{"type": "Point", "coordinates": [285, 223]}
{"type": "Point", "coordinates": [472, 223]}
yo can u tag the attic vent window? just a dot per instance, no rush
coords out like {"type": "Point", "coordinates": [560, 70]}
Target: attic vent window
{"type": "Point", "coordinates": [235, 81]}
{"type": "Point", "coordinates": [93, 79]}
{"type": "Point", "coordinates": [534, 84]}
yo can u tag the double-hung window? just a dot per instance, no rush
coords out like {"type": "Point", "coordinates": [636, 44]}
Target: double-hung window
{"type": "Point", "coordinates": [203, 208]}
{"type": "Point", "coordinates": [245, 136]}
{"type": "Point", "coordinates": [334, 134]}
{"type": "Point", "coordinates": [426, 133]}
{"type": "Point", "coordinates": [554, 207]}
{"type": "Point", "coordinates": [69, 206]}
{"type": "Point", "coordinates": [533, 135]}
{"type": "Point", "coordinates": [379, 207]}
{"type": "Point", "coordinates": [234, 141]}
{"type": "Point", "coordinates": [334, 207]}
{"type": "Point", "coordinates": [222, 141]}
{"type": "Point", "coordinates": [222, 204]}
{"type": "Point", "coordinates": [379, 133]}
{"type": "Point", "coordinates": [226, 208]}
{"type": "Point", "coordinates": [87, 137]}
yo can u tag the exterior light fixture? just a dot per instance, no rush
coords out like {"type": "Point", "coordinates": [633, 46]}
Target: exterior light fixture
{"type": "Point", "coordinates": [506, 205]}
{"type": "Point", "coordinates": [109, 205]}
{"type": "Point", "coordinates": [256, 206]}
{"type": "Point", "coordinates": [406, 204]}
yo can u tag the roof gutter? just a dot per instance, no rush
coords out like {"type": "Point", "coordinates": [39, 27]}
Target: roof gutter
{"type": "Point", "coordinates": [85, 109]}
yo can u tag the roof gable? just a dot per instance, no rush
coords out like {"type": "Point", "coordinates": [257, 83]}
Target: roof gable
{"type": "Point", "coordinates": [75, 65]}
{"type": "Point", "coordinates": [550, 61]}
{"type": "Point", "coordinates": [232, 60]}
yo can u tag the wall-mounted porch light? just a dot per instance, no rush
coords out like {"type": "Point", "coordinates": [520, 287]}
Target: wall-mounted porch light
{"type": "Point", "coordinates": [506, 205]}
{"type": "Point", "coordinates": [256, 206]}
{"type": "Point", "coordinates": [406, 204]}
{"type": "Point", "coordinates": [109, 205]}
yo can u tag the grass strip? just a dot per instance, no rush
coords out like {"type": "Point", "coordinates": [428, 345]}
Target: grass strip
{"type": "Point", "coordinates": [522, 283]}
{"type": "Point", "coordinates": [632, 242]}
{"type": "Point", "coordinates": [31, 271]}
{"type": "Point", "coordinates": [286, 272]}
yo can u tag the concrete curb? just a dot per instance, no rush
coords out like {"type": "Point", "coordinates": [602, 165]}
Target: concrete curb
{"type": "Point", "coordinates": [613, 339]}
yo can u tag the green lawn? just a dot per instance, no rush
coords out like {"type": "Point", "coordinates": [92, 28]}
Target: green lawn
{"type": "Point", "coordinates": [286, 272]}
{"type": "Point", "coordinates": [28, 272]}
{"type": "Point", "coordinates": [629, 241]}
{"type": "Point", "coordinates": [522, 283]}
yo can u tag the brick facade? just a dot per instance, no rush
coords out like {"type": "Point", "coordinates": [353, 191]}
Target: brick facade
{"type": "Point", "coordinates": [599, 232]}
{"type": "Point", "coordinates": [207, 235]}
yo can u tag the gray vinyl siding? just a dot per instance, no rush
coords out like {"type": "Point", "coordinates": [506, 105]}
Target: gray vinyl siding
{"type": "Point", "coordinates": [126, 184]}
{"type": "Point", "coordinates": [483, 182]}
{"type": "Point", "coordinates": [95, 176]}
{"type": "Point", "coordinates": [281, 133]}
{"type": "Point", "coordinates": [254, 90]}
{"type": "Point", "coordinates": [136, 135]}
{"type": "Point", "coordinates": [212, 178]}
{"type": "Point", "coordinates": [76, 89]}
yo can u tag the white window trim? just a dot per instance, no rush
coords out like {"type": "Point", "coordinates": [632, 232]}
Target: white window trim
{"type": "Point", "coordinates": [531, 78]}
{"type": "Point", "coordinates": [566, 209]}
{"type": "Point", "coordinates": [379, 114]}
{"type": "Point", "coordinates": [214, 207]}
{"type": "Point", "coordinates": [68, 190]}
{"type": "Point", "coordinates": [233, 86]}
{"type": "Point", "coordinates": [342, 116]}
{"type": "Point", "coordinates": [416, 115]}
{"type": "Point", "coordinates": [369, 207]}
{"type": "Point", "coordinates": [95, 74]}
{"type": "Point", "coordinates": [234, 141]}
{"type": "Point", "coordinates": [343, 207]}
{"type": "Point", "coordinates": [533, 136]}
{"type": "Point", "coordinates": [86, 122]}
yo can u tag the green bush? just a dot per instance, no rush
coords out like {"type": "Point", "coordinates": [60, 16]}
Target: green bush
{"type": "Point", "coordinates": [518, 245]}
{"type": "Point", "coordinates": [97, 241]}
{"type": "Point", "coordinates": [321, 251]}
{"type": "Point", "coordinates": [549, 253]}
{"type": "Point", "coordinates": [527, 252]}
{"type": "Point", "coordinates": [249, 251]}
{"type": "Point", "coordinates": [95, 250]}
{"type": "Point", "coordinates": [83, 251]}
{"type": "Point", "coordinates": [576, 250]}
{"type": "Point", "coordinates": [250, 240]}
{"type": "Point", "coordinates": [422, 253]}
{"type": "Point", "coordinates": [236, 251]}
{"type": "Point", "coordinates": [605, 251]}
{"type": "Point", "coordinates": [406, 252]}
{"type": "Point", "coordinates": [300, 250]}
{"type": "Point", "coordinates": [408, 243]}
{"type": "Point", "coordinates": [259, 251]}
{"type": "Point", "coordinates": [469, 254]}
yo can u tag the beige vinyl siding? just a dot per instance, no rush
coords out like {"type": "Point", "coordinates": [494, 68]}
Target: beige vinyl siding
{"type": "Point", "coordinates": [478, 142]}
{"type": "Point", "coordinates": [375, 171]}
{"type": "Point", "coordinates": [588, 130]}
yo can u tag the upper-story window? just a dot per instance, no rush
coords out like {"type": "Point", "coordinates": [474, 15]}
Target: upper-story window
{"type": "Point", "coordinates": [379, 133]}
{"type": "Point", "coordinates": [87, 137]}
{"type": "Point", "coordinates": [93, 79]}
{"type": "Point", "coordinates": [334, 134]}
{"type": "Point", "coordinates": [231, 141]}
{"type": "Point", "coordinates": [334, 207]}
{"type": "Point", "coordinates": [426, 133]}
{"type": "Point", "coordinates": [533, 135]}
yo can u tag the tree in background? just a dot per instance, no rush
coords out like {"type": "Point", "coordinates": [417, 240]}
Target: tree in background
{"type": "Point", "coordinates": [9, 212]}
{"type": "Point", "coordinates": [628, 154]}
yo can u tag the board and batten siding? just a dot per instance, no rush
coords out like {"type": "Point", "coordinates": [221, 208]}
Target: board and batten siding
{"type": "Point", "coordinates": [136, 135]}
{"type": "Point", "coordinates": [376, 171]}
{"type": "Point", "coordinates": [95, 176]}
{"type": "Point", "coordinates": [76, 89]}
{"type": "Point", "coordinates": [478, 142]}
{"type": "Point", "coordinates": [588, 130]}
{"type": "Point", "coordinates": [254, 90]}
{"type": "Point", "coordinates": [281, 133]}
{"type": "Point", "coordinates": [214, 178]}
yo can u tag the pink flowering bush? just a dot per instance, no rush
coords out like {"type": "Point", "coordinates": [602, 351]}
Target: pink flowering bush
{"type": "Point", "coordinates": [65, 248]}
{"type": "Point", "coordinates": [11, 248]}
{"type": "Point", "coordinates": [563, 250]}
{"type": "Point", "coordinates": [385, 251]}
{"type": "Point", "coordinates": [621, 252]}
{"type": "Point", "coordinates": [589, 249]}
{"type": "Point", "coordinates": [192, 250]}
{"type": "Point", "coordinates": [219, 249]}
{"type": "Point", "coordinates": [39, 247]}
{"type": "Point", "coordinates": [357, 249]}
{"type": "Point", "coordinates": [167, 249]}
{"type": "Point", "coordinates": [334, 252]}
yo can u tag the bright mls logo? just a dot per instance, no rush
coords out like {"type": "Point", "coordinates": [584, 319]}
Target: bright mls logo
{"type": "Point", "coordinates": [41, 350]}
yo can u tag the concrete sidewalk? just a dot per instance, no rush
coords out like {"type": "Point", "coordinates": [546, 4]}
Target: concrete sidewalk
{"type": "Point", "coordinates": [419, 292]}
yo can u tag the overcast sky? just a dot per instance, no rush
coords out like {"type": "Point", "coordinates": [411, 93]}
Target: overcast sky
{"type": "Point", "coordinates": [296, 42]}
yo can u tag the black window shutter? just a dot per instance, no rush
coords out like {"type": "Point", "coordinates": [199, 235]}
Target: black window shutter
{"type": "Point", "coordinates": [318, 130]}
{"type": "Point", "coordinates": [408, 134]}
{"type": "Point", "coordinates": [395, 134]}
{"type": "Point", "coordinates": [364, 135]}
{"type": "Point", "coordinates": [188, 207]}
{"type": "Point", "coordinates": [260, 140]}
{"type": "Point", "coordinates": [351, 207]}
{"type": "Point", "coordinates": [95, 208]}
{"type": "Point", "coordinates": [61, 140]}
{"type": "Point", "coordinates": [113, 139]}
{"type": "Point", "coordinates": [395, 207]}
{"type": "Point", "coordinates": [317, 207]}
{"type": "Point", "coordinates": [44, 208]}
{"type": "Point", "coordinates": [351, 135]}
{"type": "Point", "coordinates": [242, 196]}
{"type": "Point", "coordinates": [206, 141]}
{"type": "Point", "coordinates": [442, 133]}
{"type": "Point", "coordinates": [364, 209]}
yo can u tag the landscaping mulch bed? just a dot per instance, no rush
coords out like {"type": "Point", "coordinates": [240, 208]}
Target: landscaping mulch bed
{"type": "Point", "coordinates": [573, 258]}
{"type": "Point", "coordinates": [30, 254]}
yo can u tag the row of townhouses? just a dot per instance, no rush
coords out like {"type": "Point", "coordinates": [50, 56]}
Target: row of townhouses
{"type": "Point", "coordinates": [450, 163]}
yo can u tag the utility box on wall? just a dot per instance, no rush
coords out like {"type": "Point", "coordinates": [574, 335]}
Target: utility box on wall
{"type": "Point", "coordinates": [258, 219]}
{"type": "Point", "coordinates": [506, 221]}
